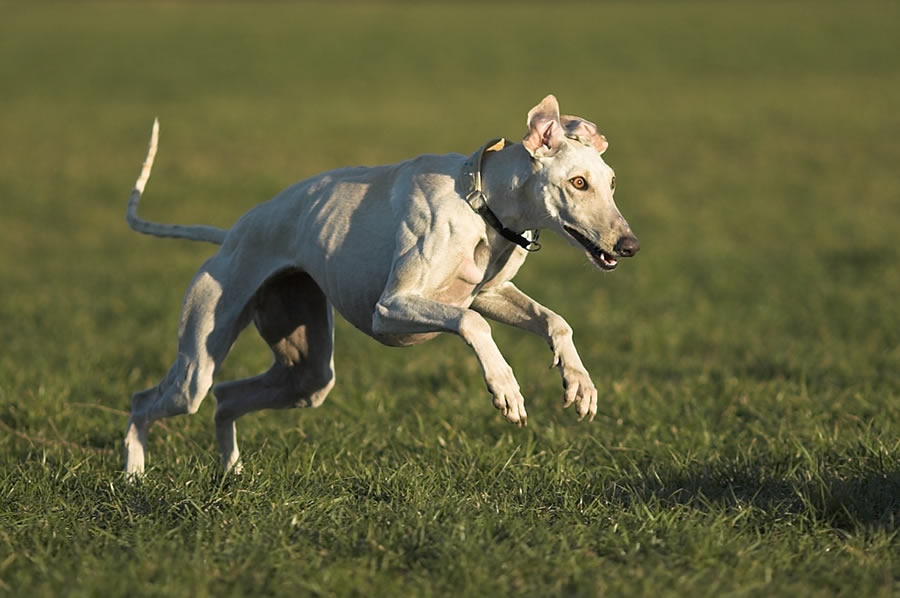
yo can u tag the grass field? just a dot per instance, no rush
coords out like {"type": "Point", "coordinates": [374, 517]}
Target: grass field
{"type": "Point", "coordinates": [748, 360]}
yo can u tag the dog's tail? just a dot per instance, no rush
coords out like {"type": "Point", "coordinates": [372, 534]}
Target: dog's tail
{"type": "Point", "coordinates": [198, 232]}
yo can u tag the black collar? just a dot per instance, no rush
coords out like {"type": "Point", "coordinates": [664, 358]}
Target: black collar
{"type": "Point", "coordinates": [477, 200]}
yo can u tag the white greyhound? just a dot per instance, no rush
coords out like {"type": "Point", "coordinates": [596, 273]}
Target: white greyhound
{"type": "Point", "coordinates": [403, 252]}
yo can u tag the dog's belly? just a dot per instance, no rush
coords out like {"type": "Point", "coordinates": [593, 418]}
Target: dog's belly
{"type": "Point", "coordinates": [359, 309]}
{"type": "Point", "coordinates": [404, 340]}
{"type": "Point", "coordinates": [360, 316]}
{"type": "Point", "coordinates": [357, 304]}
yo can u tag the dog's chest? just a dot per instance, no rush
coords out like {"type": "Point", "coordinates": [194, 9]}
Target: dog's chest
{"type": "Point", "coordinates": [472, 273]}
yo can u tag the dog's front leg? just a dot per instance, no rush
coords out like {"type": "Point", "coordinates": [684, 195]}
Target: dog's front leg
{"type": "Point", "coordinates": [405, 314]}
{"type": "Point", "coordinates": [505, 303]}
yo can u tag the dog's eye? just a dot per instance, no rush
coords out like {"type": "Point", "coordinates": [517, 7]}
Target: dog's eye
{"type": "Point", "coordinates": [579, 183]}
{"type": "Point", "coordinates": [612, 183]}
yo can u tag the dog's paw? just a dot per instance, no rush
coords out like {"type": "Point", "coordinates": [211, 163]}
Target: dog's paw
{"type": "Point", "coordinates": [581, 392]}
{"type": "Point", "coordinates": [512, 407]}
{"type": "Point", "coordinates": [508, 399]}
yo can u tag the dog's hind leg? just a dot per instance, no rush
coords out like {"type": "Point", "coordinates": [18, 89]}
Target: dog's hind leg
{"type": "Point", "coordinates": [212, 316]}
{"type": "Point", "coordinates": [296, 320]}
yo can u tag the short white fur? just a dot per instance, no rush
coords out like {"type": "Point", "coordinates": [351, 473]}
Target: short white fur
{"type": "Point", "coordinates": [397, 251]}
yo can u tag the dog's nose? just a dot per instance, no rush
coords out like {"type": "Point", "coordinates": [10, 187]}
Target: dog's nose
{"type": "Point", "coordinates": [627, 246]}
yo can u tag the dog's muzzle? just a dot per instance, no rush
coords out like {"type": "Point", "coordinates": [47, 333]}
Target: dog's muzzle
{"type": "Point", "coordinates": [626, 246]}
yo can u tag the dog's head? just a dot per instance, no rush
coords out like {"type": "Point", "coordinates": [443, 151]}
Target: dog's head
{"type": "Point", "coordinates": [575, 186]}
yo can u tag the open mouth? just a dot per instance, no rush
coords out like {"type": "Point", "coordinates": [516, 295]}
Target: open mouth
{"type": "Point", "coordinates": [601, 259]}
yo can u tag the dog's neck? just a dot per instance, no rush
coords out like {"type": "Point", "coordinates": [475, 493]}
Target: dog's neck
{"type": "Point", "coordinates": [505, 177]}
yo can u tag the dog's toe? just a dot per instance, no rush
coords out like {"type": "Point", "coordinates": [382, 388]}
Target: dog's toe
{"type": "Point", "coordinates": [587, 405]}
{"type": "Point", "coordinates": [512, 408]}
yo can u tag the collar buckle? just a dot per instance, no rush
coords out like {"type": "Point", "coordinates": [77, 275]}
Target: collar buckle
{"type": "Point", "coordinates": [477, 201]}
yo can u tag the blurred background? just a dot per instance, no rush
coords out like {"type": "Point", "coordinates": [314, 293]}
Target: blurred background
{"type": "Point", "coordinates": [755, 147]}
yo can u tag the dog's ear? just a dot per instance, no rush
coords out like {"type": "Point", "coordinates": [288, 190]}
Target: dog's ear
{"type": "Point", "coordinates": [585, 131]}
{"type": "Point", "coordinates": [545, 133]}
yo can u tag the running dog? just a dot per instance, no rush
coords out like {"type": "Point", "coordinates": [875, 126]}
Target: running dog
{"type": "Point", "coordinates": [403, 252]}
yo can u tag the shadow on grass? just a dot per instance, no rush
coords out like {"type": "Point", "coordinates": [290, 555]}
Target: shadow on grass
{"type": "Point", "coordinates": [852, 503]}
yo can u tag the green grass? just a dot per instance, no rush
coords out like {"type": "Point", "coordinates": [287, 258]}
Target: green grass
{"type": "Point", "coordinates": [748, 440]}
